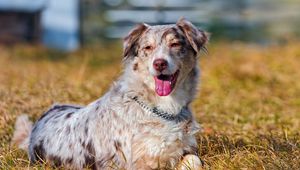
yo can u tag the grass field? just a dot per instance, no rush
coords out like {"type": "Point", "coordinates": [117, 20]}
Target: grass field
{"type": "Point", "coordinates": [248, 102]}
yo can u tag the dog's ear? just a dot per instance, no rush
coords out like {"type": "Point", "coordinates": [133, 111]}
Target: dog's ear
{"type": "Point", "coordinates": [131, 39]}
{"type": "Point", "coordinates": [196, 37]}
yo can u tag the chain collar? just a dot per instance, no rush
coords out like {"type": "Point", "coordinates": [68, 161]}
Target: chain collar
{"type": "Point", "coordinates": [183, 115]}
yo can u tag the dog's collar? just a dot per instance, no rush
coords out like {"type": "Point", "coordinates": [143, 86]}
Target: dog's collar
{"type": "Point", "coordinates": [183, 115]}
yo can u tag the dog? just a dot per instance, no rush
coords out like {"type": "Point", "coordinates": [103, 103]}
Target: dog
{"type": "Point", "coordinates": [143, 122]}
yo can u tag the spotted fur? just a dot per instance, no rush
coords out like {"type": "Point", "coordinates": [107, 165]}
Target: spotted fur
{"type": "Point", "coordinates": [115, 131]}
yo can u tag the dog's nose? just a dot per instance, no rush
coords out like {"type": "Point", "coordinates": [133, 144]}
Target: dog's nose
{"type": "Point", "coordinates": [160, 64]}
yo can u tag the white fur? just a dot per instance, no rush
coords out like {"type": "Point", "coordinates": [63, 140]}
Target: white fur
{"type": "Point", "coordinates": [116, 130]}
{"type": "Point", "coordinates": [22, 132]}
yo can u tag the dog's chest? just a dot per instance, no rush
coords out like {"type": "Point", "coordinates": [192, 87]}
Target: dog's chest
{"type": "Point", "coordinates": [162, 141]}
{"type": "Point", "coordinates": [155, 139]}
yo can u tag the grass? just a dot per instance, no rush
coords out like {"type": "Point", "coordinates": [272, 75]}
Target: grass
{"type": "Point", "coordinates": [248, 103]}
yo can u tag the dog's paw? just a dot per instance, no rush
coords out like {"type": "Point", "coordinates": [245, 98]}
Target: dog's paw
{"type": "Point", "coordinates": [190, 162]}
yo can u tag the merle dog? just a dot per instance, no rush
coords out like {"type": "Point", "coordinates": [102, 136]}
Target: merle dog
{"type": "Point", "coordinates": [143, 122]}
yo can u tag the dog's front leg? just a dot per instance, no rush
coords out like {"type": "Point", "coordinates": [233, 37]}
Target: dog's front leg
{"type": "Point", "coordinates": [190, 162]}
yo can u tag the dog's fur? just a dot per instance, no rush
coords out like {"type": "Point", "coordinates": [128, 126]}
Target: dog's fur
{"type": "Point", "coordinates": [115, 130]}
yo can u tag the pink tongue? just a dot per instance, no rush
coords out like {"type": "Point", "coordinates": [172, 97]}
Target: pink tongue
{"type": "Point", "coordinates": [162, 87]}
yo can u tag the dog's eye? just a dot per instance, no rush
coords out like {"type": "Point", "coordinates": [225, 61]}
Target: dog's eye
{"type": "Point", "coordinates": [148, 47]}
{"type": "Point", "coordinates": [175, 45]}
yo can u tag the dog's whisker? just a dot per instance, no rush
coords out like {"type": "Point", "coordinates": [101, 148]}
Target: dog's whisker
{"type": "Point", "coordinates": [205, 50]}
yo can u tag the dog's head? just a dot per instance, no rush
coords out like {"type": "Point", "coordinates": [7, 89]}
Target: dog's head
{"type": "Point", "coordinates": [163, 55]}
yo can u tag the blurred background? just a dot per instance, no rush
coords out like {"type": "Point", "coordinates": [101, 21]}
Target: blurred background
{"type": "Point", "coordinates": [70, 24]}
{"type": "Point", "coordinates": [69, 51]}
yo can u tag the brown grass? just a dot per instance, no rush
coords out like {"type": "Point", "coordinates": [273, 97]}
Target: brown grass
{"type": "Point", "coordinates": [248, 105]}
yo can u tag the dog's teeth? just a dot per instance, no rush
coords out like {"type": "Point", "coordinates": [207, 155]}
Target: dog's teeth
{"type": "Point", "coordinates": [170, 82]}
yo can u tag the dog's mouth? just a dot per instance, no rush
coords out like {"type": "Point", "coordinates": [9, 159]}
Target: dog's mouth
{"type": "Point", "coordinates": [164, 84]}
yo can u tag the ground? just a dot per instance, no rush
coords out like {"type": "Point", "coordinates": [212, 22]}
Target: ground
{"type": "Point", "coordinates": [248, 101]}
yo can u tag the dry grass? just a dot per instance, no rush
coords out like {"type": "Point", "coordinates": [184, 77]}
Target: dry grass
{"type": "Point", "coordinates": [249, 102]}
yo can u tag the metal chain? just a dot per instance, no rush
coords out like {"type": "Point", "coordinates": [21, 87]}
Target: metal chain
{"type": "Point", "coordinates": [183, 115]}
